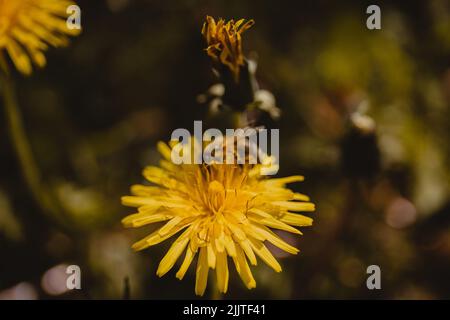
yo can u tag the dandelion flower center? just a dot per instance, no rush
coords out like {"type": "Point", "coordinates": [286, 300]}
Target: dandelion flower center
{"type": "Point", "coordinates": [8, 13]}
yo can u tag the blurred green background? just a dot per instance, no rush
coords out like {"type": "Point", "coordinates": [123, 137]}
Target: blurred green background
{"type": "Point", "coordinates": [95, 113]}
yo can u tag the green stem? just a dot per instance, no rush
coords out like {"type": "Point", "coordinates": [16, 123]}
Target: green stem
{"type": "Point", "coordinates": [46, 200]}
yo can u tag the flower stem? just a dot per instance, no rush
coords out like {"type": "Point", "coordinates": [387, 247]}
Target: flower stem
{"type": "Point", "coordinates": [30, 171]}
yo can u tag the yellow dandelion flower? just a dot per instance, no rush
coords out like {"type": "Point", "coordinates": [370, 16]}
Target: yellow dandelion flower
{"type": "Point", "coordinates": [27, 27]}
{"type": "Point", "coordinates": [222, 210]}
{"type": "Point", "coordinates": [224, 42]}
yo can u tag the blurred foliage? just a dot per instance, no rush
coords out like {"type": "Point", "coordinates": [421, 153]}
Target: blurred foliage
{"type": "Point", "coordinates": [365, 117]}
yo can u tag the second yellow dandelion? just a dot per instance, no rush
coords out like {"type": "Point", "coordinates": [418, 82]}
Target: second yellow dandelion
{"type": "Point", "coordinates": [28, 27]}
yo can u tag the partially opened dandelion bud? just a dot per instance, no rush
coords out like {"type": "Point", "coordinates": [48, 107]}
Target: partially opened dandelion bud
{"type": "Point", "coordinates": [236, 73]}
{"type": "Point", "coordinates": [221, 211]}
{"type": "Point", "coordinates": [225, 42]}
{"type": "Point", "coordinates": [28, 27]}
{"type": "Point", "coordinates": [224, 46]}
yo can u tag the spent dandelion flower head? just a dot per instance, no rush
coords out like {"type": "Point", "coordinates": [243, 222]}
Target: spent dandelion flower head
{"type": "Point", "coordinates": [218, 212]}
{"type": "Point", "coordinates": [224, 41]}
{"type": "Point", "coordinates": [29, 27]}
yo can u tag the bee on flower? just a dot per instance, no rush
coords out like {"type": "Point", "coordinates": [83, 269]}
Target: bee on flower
{"type": "Point", "coordinates": [217, 212]}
